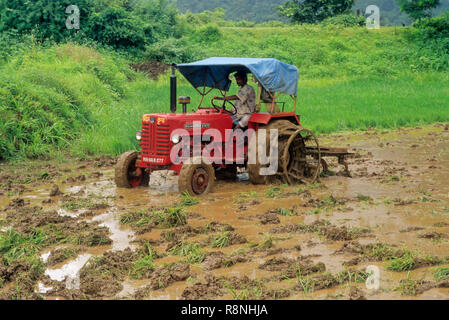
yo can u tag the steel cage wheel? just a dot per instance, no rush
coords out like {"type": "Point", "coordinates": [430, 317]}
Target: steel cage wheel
{"type": "Point", "coordinates": [298, 164]}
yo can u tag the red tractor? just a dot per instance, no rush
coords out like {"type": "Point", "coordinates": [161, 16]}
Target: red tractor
{"type": "Point", "coordinates": [168, 140]}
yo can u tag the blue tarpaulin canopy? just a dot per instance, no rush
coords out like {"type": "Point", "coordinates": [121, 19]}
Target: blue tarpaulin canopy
{"type": "Point", "coordinates": [273, 75]}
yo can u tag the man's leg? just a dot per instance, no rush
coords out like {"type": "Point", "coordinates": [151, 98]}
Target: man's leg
{"type": "Point", "coordinates": [243, 123]}
{"type": "Point", "coordinates": [235, 121]}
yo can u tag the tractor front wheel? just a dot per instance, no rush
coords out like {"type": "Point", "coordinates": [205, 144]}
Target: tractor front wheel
{"type": "Point", "coordinates": [196, 177]}
{"type": "Point", "coordinates": [127, 174]}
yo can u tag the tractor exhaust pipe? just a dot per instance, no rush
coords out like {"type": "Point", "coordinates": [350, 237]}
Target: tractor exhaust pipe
{"type": "Point", "coordinates": [173, 89]}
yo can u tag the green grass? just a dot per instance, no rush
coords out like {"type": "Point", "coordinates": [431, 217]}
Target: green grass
{"type": "Point", "coordinates": [242, 295]}
{"type": "Point", "coordinates": [362, 197]}
{"type": "Point", "coordinates": [188, 200]}
{"type": "Point", "coordinates": [144, 265]}
{"type": "Point", "coordinates": [192, 252]}
{"type": "Point", "coordinates": [407, 286]}
{"type": "Point", "coordinates": [243, 197]}
{"type": "Point", "coordinates": [287, 212]}
{"type": "Point", "coordinates": [163, 218]}
{"type": "Point", "coordinates": [72, 98]}
{"type": "Point", "coordinates": [220, 240]}
{"type": "Point", "coordinates": [15, 246]}
{"type": "Point", "coordinates": [275, 192]}
{"type": "Point", "coordinates": [73, 204]}
{"type": "Point", "coordinates": [19, 249]}
{"type": "Point", "coordinates": [358, 103]}
{"type": "Point", "coordinates": [441, 273]}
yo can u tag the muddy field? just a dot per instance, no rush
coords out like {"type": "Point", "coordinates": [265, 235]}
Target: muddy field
{"type": "Point", "coordinates": [68, 233]}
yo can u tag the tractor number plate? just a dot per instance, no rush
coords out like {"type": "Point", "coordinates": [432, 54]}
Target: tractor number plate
{"type": "Point", "coordinates": [153, 160]}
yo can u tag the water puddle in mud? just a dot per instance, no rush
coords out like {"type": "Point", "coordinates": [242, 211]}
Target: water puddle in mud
{"type": "Point", "coordinates": [65, 213]}
{"type": "Point", "coordinates": [69, 272]}
{"type": "Point", "coordinates": [121, 238]}
{"type": "Point", "coordinates": [42, 288]}
{"type": "Point", "coordinates": [45, 256]}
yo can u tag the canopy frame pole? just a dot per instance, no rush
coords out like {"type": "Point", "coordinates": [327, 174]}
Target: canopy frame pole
{"type": "Point", "coordinates": [223, 94]}
{"type": "Point", "coordinates": [273, 98]}
{"type": "Point", "coordinates": [203, 94]}
{"type": "Point", "coordinates": [295, 99]}
{"type": "Point", "coordinates": [259, 94]}
{"type": "Point", "coordinates": [204, 90]}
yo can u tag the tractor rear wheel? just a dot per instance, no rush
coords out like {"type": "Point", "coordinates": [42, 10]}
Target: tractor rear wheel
{"type": "Point", "coordinates": [297, 164]}
{"type": "Point", "coordinates": [254, 169]}
{"type": "Point", "coordinates": [228, 173]}
{"type": "Point", "coordinates": [196, 177]}
{"type": "Point", "coordinates": [127, 174]}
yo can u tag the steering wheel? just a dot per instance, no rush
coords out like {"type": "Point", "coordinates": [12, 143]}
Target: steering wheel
{"type": "Point", "coordinates": [223, 107]}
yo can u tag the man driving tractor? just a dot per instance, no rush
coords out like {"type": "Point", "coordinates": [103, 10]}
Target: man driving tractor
{"type": "Point", "coordinates": [246, 101]}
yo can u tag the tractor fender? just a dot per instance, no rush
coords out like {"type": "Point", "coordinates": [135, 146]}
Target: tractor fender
{"type": "Point", "coordinates": [265, 117]}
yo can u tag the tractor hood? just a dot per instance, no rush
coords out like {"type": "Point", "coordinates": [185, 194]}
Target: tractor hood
{"type": "Point", "coordinates": [272, 74]}
{"type": "Point", "coordinates": [203, 118]}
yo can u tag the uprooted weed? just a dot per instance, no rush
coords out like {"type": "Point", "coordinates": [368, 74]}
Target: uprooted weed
{"type": "Point", "coordinates": [328, 280]}
{"type": "Point", "coordinates": [155, 217]}
{"type": "Point", "coordinates": [188, 200]}
{"type": "Point", "coordinates": [324, 205]}
{"type": "Point", "coordinates": [225, 239]}
{"type": "Point", "coordinates": [62, 254]}
{"type": "Point", "coordinates": [192, 252]}
{"type": "Point", "coordinates": [57, 229]}
{"type": "Point", "coordinates": [164, 276]}
{"type": "Point", "coordinates": [413, 287]}
{"type": "Point", "coordinates": [398, 259]}
{"type": "Point", "coordinates": [254, 290]}
{"type": "Point", "coordinates": [289, 268]}
{"type": "Point", "coordinates": [186, 231]}
{"type": "Point", "coordinates": [92, 202]}
{"type": "Point", "coordinates": [244, 197]}
{"type": "Point", "coordinates": [323, 228]}
{"type": "Point", "coordinates": [20, 262]}
{"type": "Point", "coordinates": [143, 266]}
{"type": "Point", "coordinates": [441, 273]}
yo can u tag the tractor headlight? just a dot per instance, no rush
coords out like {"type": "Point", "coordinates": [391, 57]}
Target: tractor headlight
{"type": "Point", "coordinates": [139, 135]}
{"type": "Point", "coordinates": [176, 138]}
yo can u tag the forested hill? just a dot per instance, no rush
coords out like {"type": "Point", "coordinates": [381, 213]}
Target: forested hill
{"type": "Point", "coordinates": [265, 10]}
{"type": "Point", "coordinates": [237, 10]}
{"type": "Point", "coordinates": [390, 14]}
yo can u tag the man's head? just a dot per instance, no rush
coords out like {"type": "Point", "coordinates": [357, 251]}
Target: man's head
{"type": "Point", "coordinates": [241, 78]}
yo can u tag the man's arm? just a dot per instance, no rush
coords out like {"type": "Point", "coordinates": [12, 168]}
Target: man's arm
{"type": "Point", "coordinates": [234, 97]}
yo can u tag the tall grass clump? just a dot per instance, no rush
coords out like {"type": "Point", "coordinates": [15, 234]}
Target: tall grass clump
{"type": "Point", "coordinates": [49, 96]}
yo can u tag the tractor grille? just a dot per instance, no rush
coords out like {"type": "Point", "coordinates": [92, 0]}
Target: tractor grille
{"type": "Point", "coordinates": [155, 140]}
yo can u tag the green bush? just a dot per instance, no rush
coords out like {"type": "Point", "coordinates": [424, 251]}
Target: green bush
{"type": "Point", "coordinates": [208, 33]}
{"type": "Point", "coordinates": [432, 37]}
{"type": "Point", "coordinates": [172, 51]}
{"type": "Point", "coordinates": [46, 17]}
{"type": "Point", "coordinates": [118, 28]}
{"type": "Point", "coordinates": [437, 27]}
{"type": "Point", "coordinates": [121, 24]}
{"type": "Point", "coordinates": [345, 20]}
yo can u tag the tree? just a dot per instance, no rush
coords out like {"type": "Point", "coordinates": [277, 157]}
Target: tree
{"type": "Point", "coordinates": [314, 11]}
{"type": "Point", "coordinates": [418, 9]}
{"type": "Point", "coordinates": [121, 24]}
{"type": "Point", "coordinates": [46, 17]}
